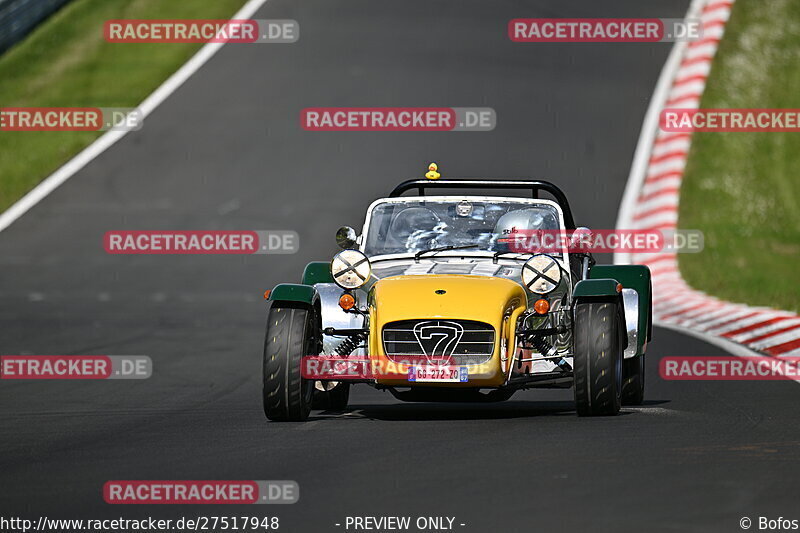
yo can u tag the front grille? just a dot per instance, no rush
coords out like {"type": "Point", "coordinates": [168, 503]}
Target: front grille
{"type": "Point", "coordinates": [464, 342]}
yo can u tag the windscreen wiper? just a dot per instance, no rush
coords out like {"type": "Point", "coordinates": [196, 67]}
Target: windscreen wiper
{"type": "Point", "coordinates": [443, 249]}
{"type": "Point", "coordinates": [505, 252]}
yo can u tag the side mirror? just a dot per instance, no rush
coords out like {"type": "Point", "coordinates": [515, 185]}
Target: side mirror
{"type": "Point", "coordinates": [346, 237]}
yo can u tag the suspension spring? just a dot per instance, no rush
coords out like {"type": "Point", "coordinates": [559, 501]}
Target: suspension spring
{"type": "Point", "coordinates": [347, 346]}
{"type": "Point", "coordinates": [545, 348]}
{"type": "Point", "coordinates": [541, 345]}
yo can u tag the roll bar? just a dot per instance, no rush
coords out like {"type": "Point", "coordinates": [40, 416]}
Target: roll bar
{"type": "Point", "coordinates": [533, 185]}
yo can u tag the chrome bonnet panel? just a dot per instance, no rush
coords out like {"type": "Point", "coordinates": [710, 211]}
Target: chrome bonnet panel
{"type": "Point", "coordinates": [334, 317]}
{"type": "Point", "coordinates": [630, 297]}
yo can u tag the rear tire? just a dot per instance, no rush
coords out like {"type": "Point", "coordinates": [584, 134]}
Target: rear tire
{"type": "Point", "coordinates": [633, 381]}
{"type": "Point", "coordinates": [291, 334]}
{"type": "Point", "coordinates": [598, 358]}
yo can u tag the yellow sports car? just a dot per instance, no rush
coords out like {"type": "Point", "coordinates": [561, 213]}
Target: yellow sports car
{"type": "Point", "coordinates": [459, 297]}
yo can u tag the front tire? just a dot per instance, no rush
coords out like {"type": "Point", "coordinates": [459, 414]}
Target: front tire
{"type": "Point", "coordinates": [598, 359]}
{"type": "Point", "coordinates": [633, 381]}
{"type": "Point", "coordinates": [291, 334]}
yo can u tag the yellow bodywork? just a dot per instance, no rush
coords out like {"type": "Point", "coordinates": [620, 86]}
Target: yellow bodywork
{"type": "Point", "coordinates": [495, 301]}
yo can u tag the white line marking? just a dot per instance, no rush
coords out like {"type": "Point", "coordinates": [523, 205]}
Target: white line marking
{"type": "Point", "coordinates": [691, 101]}
{"type": "Point", "coordinates": [698, 69]}
{"type": "Point", "coordinates": [688, 305]}
{"type": "Point", "coordinates": [670, 165]}
{"type": "Point", "coordinates": [662, 200]}
{"type": "Point", "coordinates": [721, 12]}
{"type": "Point", "coordinates": [724, 311]}
{"type": "Point", "coordinates": [743, 323]}
{"type": "Point", "coordinates": [651, 221]}
{"type": "Point", "coordinates": [777, 326]}
{"type": "Point", "coordinates": [728, 318]}
{"type": "Point", "coordinates": [700, 312]}
{"type": "Point", "coordinates": [708, 49]}
{"type": "Point", "coordinates": [686, 89]}
{"type": "Point", "coordinates": [660, 185]}
{"type": "Point", "coordinates": [49, 184]}
{"type": "Point", "coordinates": [781, 338]}
{"type": "Point", "coordinates": [674, 145]}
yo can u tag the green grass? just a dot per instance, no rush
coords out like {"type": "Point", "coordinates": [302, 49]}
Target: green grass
{"type": "Point", "coordinates": [66, 62]}
{"type": "Point", "coordinates": [743, 189]}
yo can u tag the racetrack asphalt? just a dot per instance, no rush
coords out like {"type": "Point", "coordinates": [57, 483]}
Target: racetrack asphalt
{"type": "Point", "coordinates": [226, 151]}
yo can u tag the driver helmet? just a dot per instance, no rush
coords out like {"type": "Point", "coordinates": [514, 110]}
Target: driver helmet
{"type": "Point", "coordinates": [517, 230]}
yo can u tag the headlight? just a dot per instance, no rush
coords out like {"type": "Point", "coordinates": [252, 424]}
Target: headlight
{"type": "Point", "coordinates": [350, 269]}
{"type": "Point", "coordinates": [541, 274]}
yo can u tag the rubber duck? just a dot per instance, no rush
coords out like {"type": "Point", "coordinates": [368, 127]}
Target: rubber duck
{"type": "Point", "coordinates": [432, 172]}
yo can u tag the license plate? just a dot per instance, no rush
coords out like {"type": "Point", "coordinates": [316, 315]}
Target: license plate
{"type": "Point", "coordinates": [438, 374]}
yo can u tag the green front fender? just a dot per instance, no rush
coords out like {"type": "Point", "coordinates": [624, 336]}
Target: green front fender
{"type": "Point", "coordinates": [595, 288]}
{"type": "Point", "coordinates": [317, 272]}
{"type": "Point", "coordinates": [294, 292]}
{"type": "Point", "coordinates": [304, 292]}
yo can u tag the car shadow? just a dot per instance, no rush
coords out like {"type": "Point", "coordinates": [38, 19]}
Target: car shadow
{"type": "Point", "coordinates": [652, 403]}
{"type": "Point", "coordinates": [458, 411]}
{"type": "Point", "coordinates": [465, 411]}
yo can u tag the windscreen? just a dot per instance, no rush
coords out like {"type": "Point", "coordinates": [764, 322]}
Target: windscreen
{"type": "Point", "coordinates": [415, 225]}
